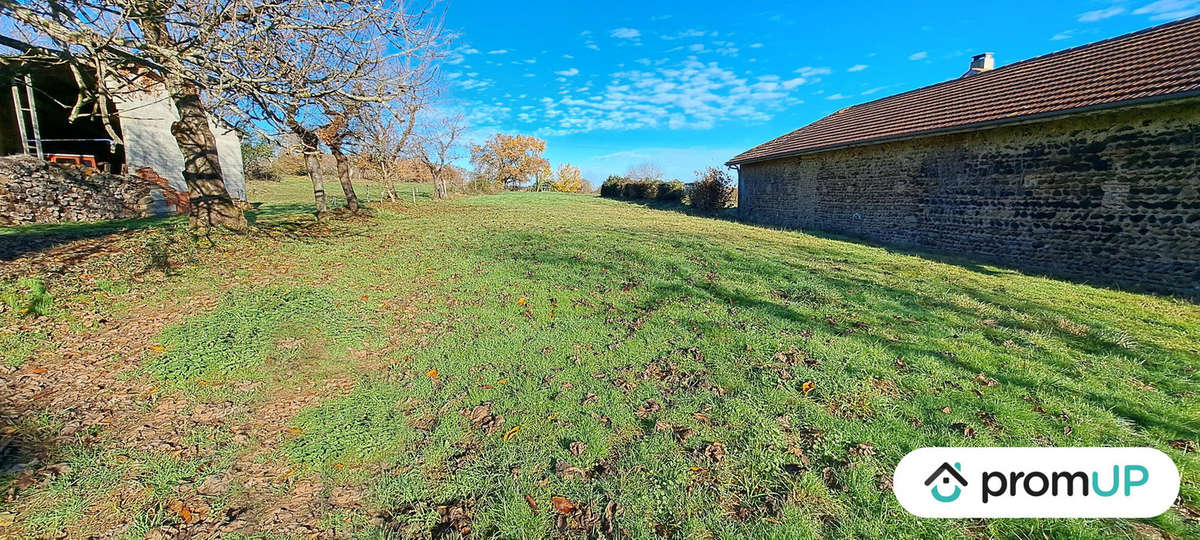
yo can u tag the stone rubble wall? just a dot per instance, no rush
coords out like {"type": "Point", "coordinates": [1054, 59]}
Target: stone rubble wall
{"type": "Point", "coordinates": [34, 191]}
{"type": "Point", "coordinates": [1112, 198]}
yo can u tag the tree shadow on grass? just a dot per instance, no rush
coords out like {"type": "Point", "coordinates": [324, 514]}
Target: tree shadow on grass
{"type": "Point", "coordinates": [21, 240]}
{"type": "Point", "coordinates": [930, 310]}
{"type": "Point", "coordinates": [727, 214]}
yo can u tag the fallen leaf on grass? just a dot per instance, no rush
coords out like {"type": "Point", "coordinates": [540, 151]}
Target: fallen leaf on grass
{"type": "Point", "coordinates": [715, 452]}
{"type": "Point", "coordinates": [1183, 445]}
{"type": "Point", "coordinates": [984, 380]}
{"type": "Point", "coordinates": [38, 371]}
{"type": "Point", "coordinates": [562, 504]}
{"type": "Point", "coordinates": [182, 511]}
{"type": "Point", "coordinates": [508, 435]}
{"type": "Point", "coordinates": [432, 374]}
{"type": "Point", "coordinates": [863, 450]}
{"type": "Point", "coordinates": [578, 448]}
{"type": "Point", "coordinates": [946, 410]}
{"type": "Point", "coordinates": [522, 301]}
{"type": "Point", "coordinates": [965, 429]}
{"type": "Point", "coordinates": [532, 503]}
{"type": "Point", "coordinates": [569, 471]}
{"type": "Point", "coordinates": [808, 387]}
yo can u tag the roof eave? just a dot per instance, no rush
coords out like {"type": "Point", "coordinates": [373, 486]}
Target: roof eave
{"type": "Point", "coordinates": [973, 127]}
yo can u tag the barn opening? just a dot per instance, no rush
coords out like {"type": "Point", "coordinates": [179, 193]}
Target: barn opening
{"type": "Point", "coordinates": [47, 122]}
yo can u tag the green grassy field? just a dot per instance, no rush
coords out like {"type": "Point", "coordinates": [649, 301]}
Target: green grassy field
{"type": "Point", "coordinates": [538, 364]}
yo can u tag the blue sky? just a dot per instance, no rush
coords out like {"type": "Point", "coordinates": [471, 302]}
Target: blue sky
{"type": "Point", "coordinates": [689, 85]}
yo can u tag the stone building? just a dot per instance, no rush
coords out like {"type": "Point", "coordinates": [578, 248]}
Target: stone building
{"type": "Point", "coordinates": [142, 121]}
{"type": "Point", "coordinates": [1083, 163]}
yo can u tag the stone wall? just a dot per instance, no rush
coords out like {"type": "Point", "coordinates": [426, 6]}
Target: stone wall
{"type": "Point", "coordinates": [34, 191]}
{"type": "Point", "coordinates": [1113, 198]}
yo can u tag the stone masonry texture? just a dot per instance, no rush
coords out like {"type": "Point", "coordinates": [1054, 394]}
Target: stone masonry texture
{"type": "Point", "coordinates": [34, 191]}
{"type": "Point", "coordinates": [1112, 198]}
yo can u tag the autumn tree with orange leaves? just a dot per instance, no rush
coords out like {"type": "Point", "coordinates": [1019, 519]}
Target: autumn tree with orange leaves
{"type": "Point", "coordinates": [509, 160]}
{"type": "Point", "coordinates": [569, 180]}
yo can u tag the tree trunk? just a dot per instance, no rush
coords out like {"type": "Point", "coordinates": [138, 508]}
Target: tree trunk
{"type": "Point", "coordinates": [343, 167]}
{"type": "Point", "coordinates": [313, 164]}
{"type": "Point", "coordinates": [389, 183]}
{"type": "Point", "coordinates": [439, 185]}
{"type": "Point", "coordinates": [211, 204]}
{"type": "Point", "coordinates": [210, 201]}
{"type": "Point", "coordinates": [311, 145]}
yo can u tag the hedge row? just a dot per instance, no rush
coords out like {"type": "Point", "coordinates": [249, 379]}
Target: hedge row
{"type": "Point", "coordinates": [619, 187]}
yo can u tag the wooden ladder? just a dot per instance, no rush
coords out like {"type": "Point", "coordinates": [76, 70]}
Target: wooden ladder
{"type": "Point", "coordinates": [27, 120]}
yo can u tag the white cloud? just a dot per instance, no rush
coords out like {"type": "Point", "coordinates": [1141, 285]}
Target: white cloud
{"type": "Point", "coordinates": [498, 51]}
{"type": "Point", "coordinates": [625, 33]}
{"type": "Point", "coordinates": [687, 95]}
{"type": "Point", "coordinates": [836, 96]}
{"type": "Point", "coordinates": [873, 90]}
{"type": "Point", "coordinates": [857, 67]}
{"type": "Point", "coordinates": [918, 55]}
{"type": "Point", "coordinates": [1166, 10]}
{"type": "Point", "coordinates": [792, 83]}
{"type": "Point", "coordinates": [568, 72]}
{"type": "Point", "coordinates": [690, 33]}
{"type": "Point", "coordinates": [567, 56]}
{"type": "Point", "coordinates": [470, 50]}
{"type": "Point", "coordinates": [809, 71]}
{"type": "Point", "coordinates": [475, 84]}
{"type": "Point", "coordinates": [756, 45]}
{"type": "Point", "coordinates": [1065, 34]}
{"type": "Point", "coordinates": [1100, 14]}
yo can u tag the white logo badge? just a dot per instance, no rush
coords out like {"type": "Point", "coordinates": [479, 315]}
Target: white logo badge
{"type": "Point", "coordinates": [1036, 482]}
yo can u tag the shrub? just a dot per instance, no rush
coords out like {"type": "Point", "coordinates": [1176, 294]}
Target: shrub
{"type": "Point", "coordinates": [258, 157]}
{"type": "Point", "coordinates": [671, 191]}
{"type": "Point", "coordinates": [711, 191]}
{"type": "Point", "coordinates": [633, 190]}
{"type": "Point", "coordinates": [651, 189]}
{"type": "Point", "coordinates": [613, 187]}
{"type": "Point", "coordinates": [481, 185]}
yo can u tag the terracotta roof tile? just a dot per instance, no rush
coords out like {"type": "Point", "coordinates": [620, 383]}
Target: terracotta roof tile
{"type": "Point", "coordinates": [1156, 63]}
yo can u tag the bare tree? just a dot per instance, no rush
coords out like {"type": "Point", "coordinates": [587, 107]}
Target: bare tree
{"type": "Point", "coordinates": [387, 138]}
{"type": "Point", "coordinates": [644, 171]}
{"type": "Point", "coordinates": [439, 147]}
{"type": "Point", "coordinates": [349, 59]}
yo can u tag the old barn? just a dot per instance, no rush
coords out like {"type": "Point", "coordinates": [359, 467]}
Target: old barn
{"type": "Point", "coordinates": [1084, 162]}
{"type": "Point", "coordinates": [36, 118]}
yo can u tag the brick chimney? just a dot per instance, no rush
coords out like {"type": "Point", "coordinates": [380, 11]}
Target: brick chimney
{"type": "Point", "coordinates": [981, 63]}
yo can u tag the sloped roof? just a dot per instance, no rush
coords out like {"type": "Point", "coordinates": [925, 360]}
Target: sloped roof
{"type": "Point", "coordinates": [1162, 62]}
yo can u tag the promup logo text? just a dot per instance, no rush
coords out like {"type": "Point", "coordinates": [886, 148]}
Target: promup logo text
{"type": "Point", "coordinates": [1036, 482]}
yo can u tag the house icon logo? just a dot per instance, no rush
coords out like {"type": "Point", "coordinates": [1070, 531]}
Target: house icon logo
{"type": "Point", "coordinates": [946, 473]}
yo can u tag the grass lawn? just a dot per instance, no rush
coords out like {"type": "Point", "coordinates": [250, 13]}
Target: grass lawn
{"type": "Point", "coordinates": [538, 364]}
